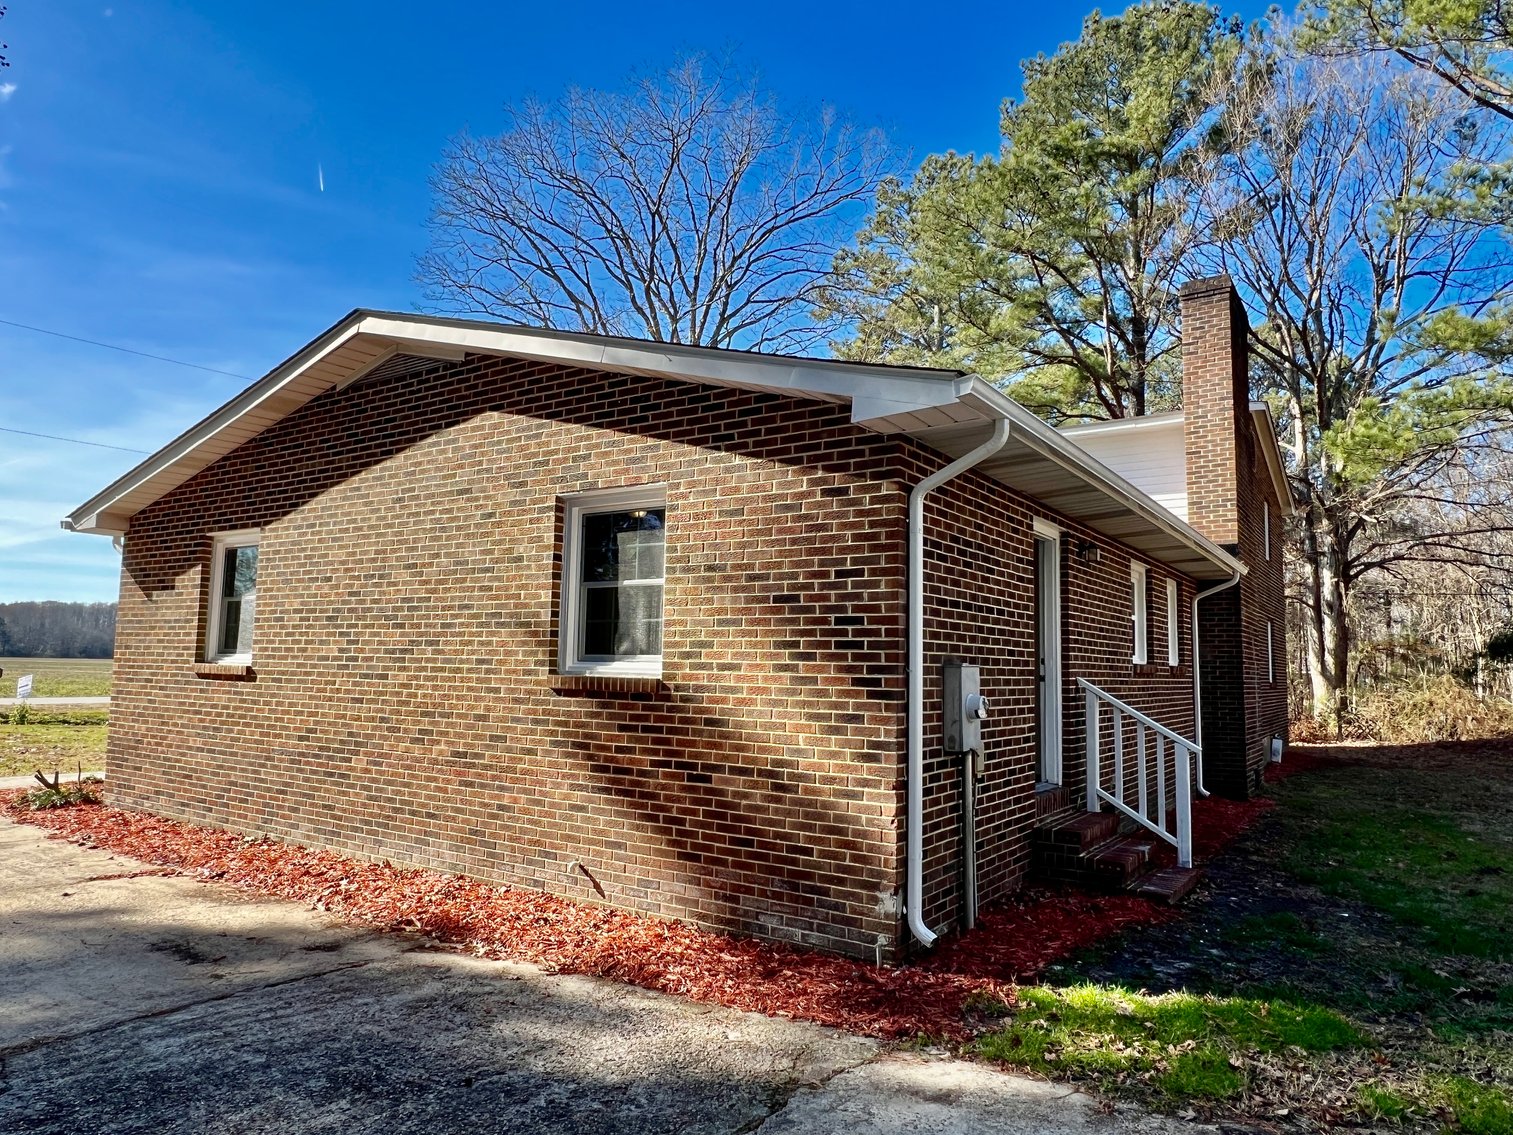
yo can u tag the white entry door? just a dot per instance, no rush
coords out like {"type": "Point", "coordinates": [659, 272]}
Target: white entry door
{"type": "Point", "coordinates": [1048, 651]}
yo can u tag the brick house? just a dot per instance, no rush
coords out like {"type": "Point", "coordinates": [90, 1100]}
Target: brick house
{"type": "Point", "coordinates": [632, 622]}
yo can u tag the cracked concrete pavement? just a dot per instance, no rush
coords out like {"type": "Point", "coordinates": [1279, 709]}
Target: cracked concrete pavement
{"type": "Point", "coordinates": [134, 1002]}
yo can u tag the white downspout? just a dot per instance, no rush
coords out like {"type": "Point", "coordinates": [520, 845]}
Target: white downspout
{"type": "Point", "coordinates": [914, 899]}
{"type": "Point", "coordinates": [1197, 679]}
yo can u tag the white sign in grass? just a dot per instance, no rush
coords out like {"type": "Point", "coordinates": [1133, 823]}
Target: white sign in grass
{"type": "Point", "coordinates": [24, 686]}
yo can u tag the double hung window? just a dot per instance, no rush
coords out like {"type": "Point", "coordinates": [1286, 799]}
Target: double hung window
{"type": "Point", "coordinates": [233, 598]}
{"type": "Point", "coordinates": [1138, 617]}
{"type": "Point", "coordinates": [612, 582]}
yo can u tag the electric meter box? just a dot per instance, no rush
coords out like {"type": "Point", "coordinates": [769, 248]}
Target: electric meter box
{"type": "Point", "coordinates": [965, 709]}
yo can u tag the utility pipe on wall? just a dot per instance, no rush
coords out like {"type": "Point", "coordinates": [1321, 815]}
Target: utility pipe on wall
{"type": "Point", "coordinates": [1197, 677]}
{"type": "Point", "coordinates": [914, 898]}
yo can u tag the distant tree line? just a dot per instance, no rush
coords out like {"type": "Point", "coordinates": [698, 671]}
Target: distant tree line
{"type": "Point", "coordinates": [57, 630]}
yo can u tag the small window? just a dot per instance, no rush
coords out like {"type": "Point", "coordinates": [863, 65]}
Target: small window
{"type": "Point", "coordinates": [1266, 526]}
{"type": "Point", "coordinates": [612, 582]}
{"type": "Point", "coordinates": [1173, 653]}
{"type": "Point", "coordinates": [233, 597]}
{"type": "Point", "coordinates": [1271, 667]}
{"type": "Point", "coordinates": [1137, 591]}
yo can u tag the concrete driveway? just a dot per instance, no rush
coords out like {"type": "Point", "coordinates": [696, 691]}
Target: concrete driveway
{"type": "Point", "coordinates": [135, 1002]}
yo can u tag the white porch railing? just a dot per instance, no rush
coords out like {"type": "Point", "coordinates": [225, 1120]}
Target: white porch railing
{"type": "Point", "coordinates": [1172, 767]}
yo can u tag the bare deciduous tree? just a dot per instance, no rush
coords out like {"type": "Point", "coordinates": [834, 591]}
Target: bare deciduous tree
{"type": "Point", "coordinates": [686, 211]}
{"type": "Point", "coordinates": [1383, 307]}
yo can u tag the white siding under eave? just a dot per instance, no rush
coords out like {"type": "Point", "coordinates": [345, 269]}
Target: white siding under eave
{"type": "Point", "coordinates": [1148, 454]}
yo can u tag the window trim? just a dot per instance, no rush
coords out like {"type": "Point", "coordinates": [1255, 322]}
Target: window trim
{"type": "Point", "coordinates": [220, 543]}
{"type": "Point", "coordinates": [1271, 663]}
{"type": "Point", "coordinates": [1173, 642]}
{"type": "Point", "coordinates": [1140, 614]}
{"type": "Point", "coordinates": [576, 506]}
{"type": "Point", "coordinates": [1266, 525]}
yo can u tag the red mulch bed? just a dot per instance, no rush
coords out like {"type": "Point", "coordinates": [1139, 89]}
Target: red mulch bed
{"type": "Point", "coordinates": [1014, 941]}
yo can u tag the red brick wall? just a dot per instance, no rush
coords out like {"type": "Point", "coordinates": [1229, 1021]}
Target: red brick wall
{"type": "Point", "coordinates": [1215, 393]}
{"type": "Point", "coordinates": [405, 703]}
{"type": "Point", "coordinates": [405, 706]}
{"type": "Point", "coordinates": [979, 591]}
{"type": "Point", "coordinates": [1229, 489]}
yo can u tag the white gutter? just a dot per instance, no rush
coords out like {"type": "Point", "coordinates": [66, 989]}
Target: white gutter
{"type": "Point", "coordinates": [1197, 674]}
{"type": "Point", "coordinates": [914, 899]}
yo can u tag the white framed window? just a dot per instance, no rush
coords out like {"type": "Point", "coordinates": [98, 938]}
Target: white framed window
{"type": "Point", "coordinates": [1271, 666]}
{"type": "Point", "coordinates": [1266, 525]}
{"type": "Point", "coordinates": [233, 597]}
{"type": "Point", "coordinates": [1173, 647]}
{"type": "Point", "coordinates": [613, 564]}
{"type": "Point", "coordinates": [1138, 617]}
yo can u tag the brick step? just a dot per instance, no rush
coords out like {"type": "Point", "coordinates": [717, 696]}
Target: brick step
{"type": "Point", "coordinates": [1169, 885]}
{"type": "Point", "coordinates": [1083, 831]}
{"type": "Point", "coordinates": [1099, 850]}
{"type": "Point", "coordinates": [1118, 864]}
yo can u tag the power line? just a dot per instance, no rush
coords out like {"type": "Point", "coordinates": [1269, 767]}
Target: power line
{"type": "Point", "coordinates": [123, 350]}
{"type": "Point", "coordinates": [71, 440]}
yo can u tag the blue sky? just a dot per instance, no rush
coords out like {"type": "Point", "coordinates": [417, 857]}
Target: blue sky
{"type": "Point", "coordinates": [159, 191]}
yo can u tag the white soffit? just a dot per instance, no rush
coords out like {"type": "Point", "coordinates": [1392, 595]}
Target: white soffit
{"type": "Point", "coordinates": [944, 409]}
{"type": "Point", "coordinates": [366, 344]}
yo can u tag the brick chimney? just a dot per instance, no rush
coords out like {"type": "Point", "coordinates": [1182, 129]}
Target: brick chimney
{"type": "Point", "coordinates": [1215, 405]}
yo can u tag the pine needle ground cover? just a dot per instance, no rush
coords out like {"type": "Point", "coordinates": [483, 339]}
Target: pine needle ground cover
{"type": "Point", "coordinates": [1378, 891]}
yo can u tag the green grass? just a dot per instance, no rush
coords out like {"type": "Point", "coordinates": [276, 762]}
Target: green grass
{"type": "Point", "coordinates": [1377, 1102]}
{"type": "Point", "coordinates": [1479, 1109]}
{"type": "Point", "coordinates": [53, 739]}
{"type": "Point", "coordinates": [1186, 1045]}
{"type": "Point", "coordinates": [1431, 870]}
{"type": "Point", "coordinates": [57, 677]}
{"type": "Point", "coordinates": [1376, 901]}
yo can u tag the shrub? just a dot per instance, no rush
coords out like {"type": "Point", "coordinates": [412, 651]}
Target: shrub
{"type": "Point", "coordinates": [1436, 709]}
{"type": "Point", "coordinates": [52, 794]}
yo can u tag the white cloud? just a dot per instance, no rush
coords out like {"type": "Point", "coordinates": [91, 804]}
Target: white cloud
{"type": "Point", "coordinates": [6, 90]}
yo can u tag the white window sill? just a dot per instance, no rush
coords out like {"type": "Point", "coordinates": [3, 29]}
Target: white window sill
{"type": "Point", "coordinates": [627, 669]}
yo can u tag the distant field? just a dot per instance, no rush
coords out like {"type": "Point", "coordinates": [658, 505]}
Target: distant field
{"type": "Point", "coordinates": [57, 677]}
{"type": "Point", "coordinates": [53, 739]}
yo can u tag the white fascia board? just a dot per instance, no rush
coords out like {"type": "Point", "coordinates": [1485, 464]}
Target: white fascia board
{"type": "Point", "coordinates": [873, 391]}
{"type": "Point", "coordinates": [869, 389]}
{"type": "Point", "coordinates": [1266, 427]}
{"type": "Point", "coordinates": [1119, 425]}
{"type": "Point", "coordinates": [1049, 443]}
{"type": "Point", "coordinates": [185, 444]}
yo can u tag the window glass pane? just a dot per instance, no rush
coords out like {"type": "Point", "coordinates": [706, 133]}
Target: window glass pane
{"type": "Point", "coordinates": [622, 622]}
{"type": "Point", "coordinates": [238, 599]}
{"type": "Point", "coordinates": [601, 613]}
{"type": "Point", "coordinates": [623, 545]}
{"type": "Point", "coordinates": [239, 573]}
{"type": "Point", "coordinates": [640, 627]}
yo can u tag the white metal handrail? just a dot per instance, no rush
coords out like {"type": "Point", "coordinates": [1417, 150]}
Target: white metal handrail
{"type": "Point", "coordinates": [1147, 778]}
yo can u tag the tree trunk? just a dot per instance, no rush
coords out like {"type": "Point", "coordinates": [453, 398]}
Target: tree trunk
{"type": "Point", "coordinates": [1328, 627]}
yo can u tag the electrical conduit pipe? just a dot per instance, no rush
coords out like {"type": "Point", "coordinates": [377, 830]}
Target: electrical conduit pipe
{"type": "Point", "coordinates": [914, 898]}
